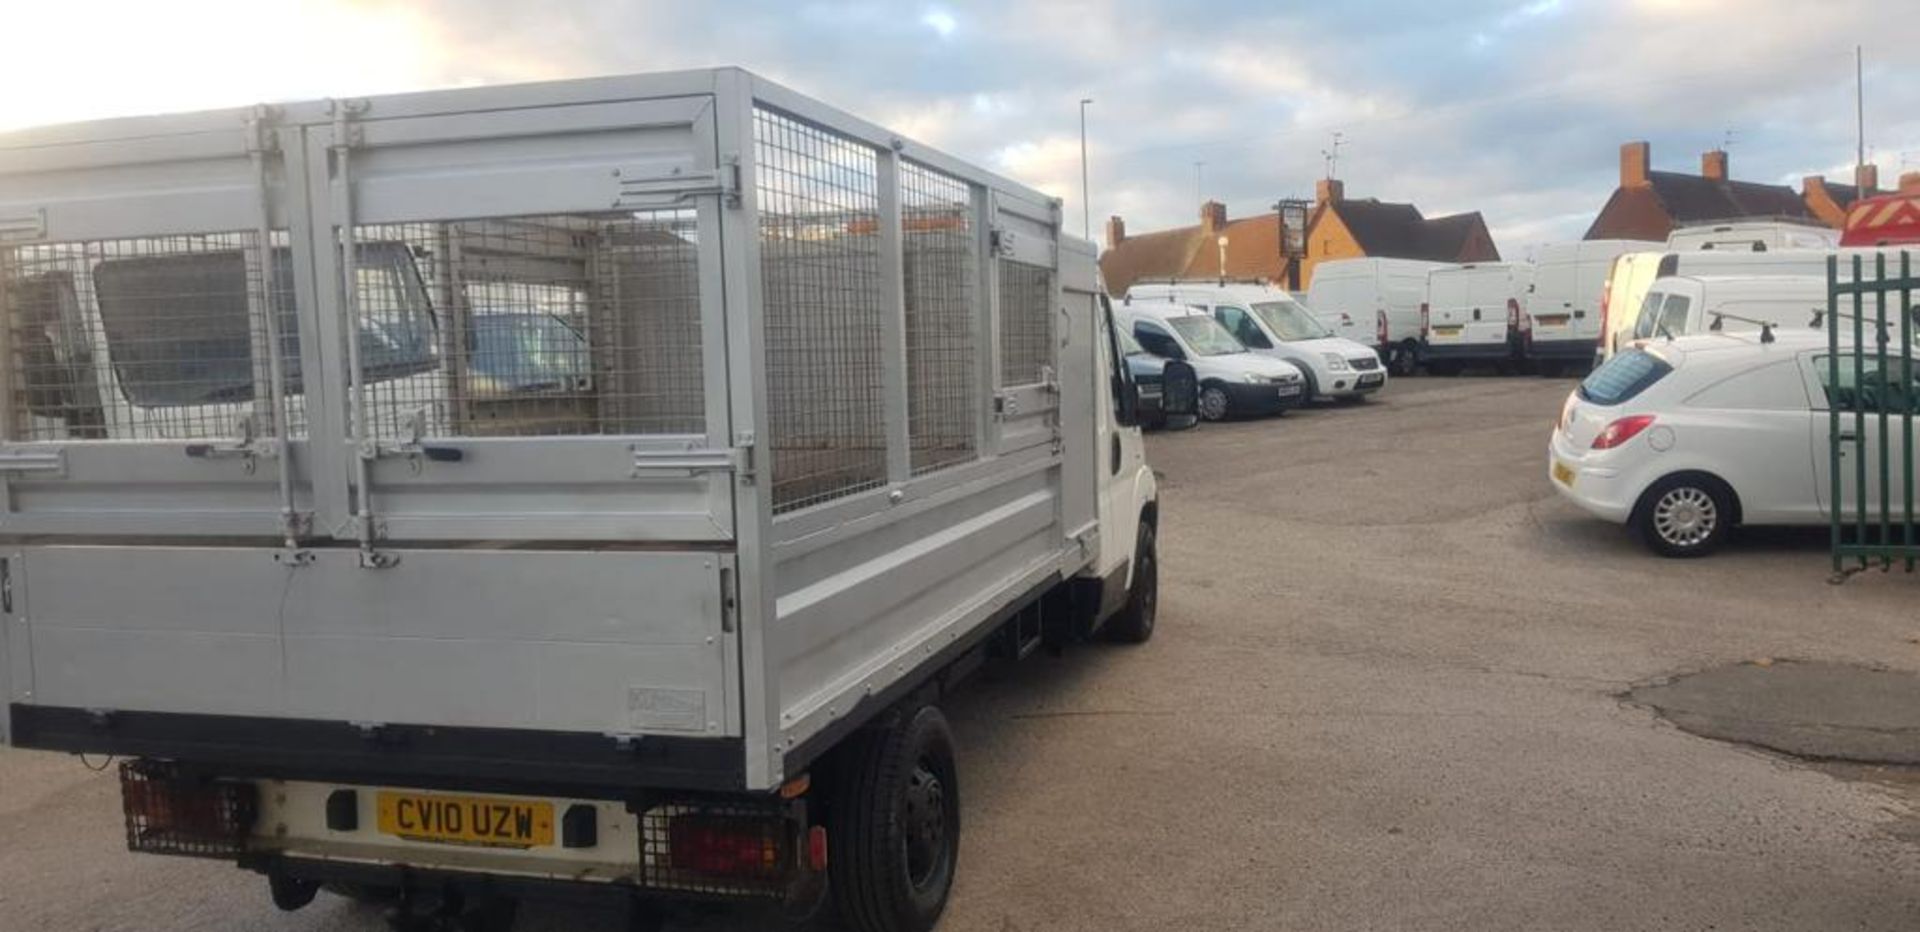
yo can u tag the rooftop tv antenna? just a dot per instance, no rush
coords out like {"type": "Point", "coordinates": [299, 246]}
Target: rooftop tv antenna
{"type": "Point", "coordinates": [1332, 154]}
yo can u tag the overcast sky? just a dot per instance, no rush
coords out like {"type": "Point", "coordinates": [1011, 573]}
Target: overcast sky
{"type": "Point", "coordinates": [1515, 108]}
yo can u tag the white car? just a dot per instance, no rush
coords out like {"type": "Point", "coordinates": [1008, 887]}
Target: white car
{"type": "Point", "coordinates": [1233, 382]}
{"type": "Point", "coordinates": [1271, 322]}
{"type": "Point", "coordinates": [1682, 440]}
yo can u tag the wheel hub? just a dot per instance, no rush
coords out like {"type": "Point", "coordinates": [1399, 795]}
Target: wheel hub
{"type": "Point", "coordinates": [924, 824]}
{"type": "Point", "coordinates": [1685, 517]}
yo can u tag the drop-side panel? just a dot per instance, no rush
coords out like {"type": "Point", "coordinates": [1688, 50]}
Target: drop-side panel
{"type": "Point", "coordinates": [569, 260]}
{"type": "Point", "coordinates": [613, 643]}
{"type": "Point", "coordinates": [142, 281]}
{"type": "Point", "coordinates": [862, 605]}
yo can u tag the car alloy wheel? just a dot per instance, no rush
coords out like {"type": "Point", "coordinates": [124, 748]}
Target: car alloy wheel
{"type": "Point", "coordinates": [1685, 517]}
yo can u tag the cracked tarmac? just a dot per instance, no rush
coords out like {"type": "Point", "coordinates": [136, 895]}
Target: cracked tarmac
{"type": "Point", "coordinates": [1385, 693]}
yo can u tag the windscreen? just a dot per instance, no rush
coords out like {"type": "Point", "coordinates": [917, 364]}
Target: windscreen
{"type": "Point", "coordinates": [1206, 337]}
{"type": "Point", "coordinates": [1624, 376]}
{"type": "Point", "coordinates": [1289, 321]}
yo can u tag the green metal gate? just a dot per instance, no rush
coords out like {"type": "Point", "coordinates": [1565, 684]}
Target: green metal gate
{"type": "Point", "coordinates": [1872, 399]}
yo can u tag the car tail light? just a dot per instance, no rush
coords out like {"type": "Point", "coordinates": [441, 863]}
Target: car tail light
{"type": "Point", "coordinates": [1621, 431]}
{"type": "Point", "coordinates": [1380, 327]}
{"type": "Point", "coordinates": [1426, 322]}
{"type": "Point", "coordinates": [171, 811]}
{"type": "Point", "coordinates": [726, 846]}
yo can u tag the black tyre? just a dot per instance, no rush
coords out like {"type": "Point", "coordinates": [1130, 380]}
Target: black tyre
{"type": "Point", "coordinates": [1214, 403]}
{"type": "Point", "coordinates": [894, 828]}
{"type": "Point", "coordinates": [1134, 623]}
{"type": "Point", "coordinates": [1686, 515]}
{"type": "Point", "coordinates": [1309, 389]}
{"type": "Point", "coordinates": [1403, 357]}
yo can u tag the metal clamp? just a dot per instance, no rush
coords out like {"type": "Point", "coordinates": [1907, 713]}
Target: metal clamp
{"type": "Point", "coordinates": [34, 462]}
{"type": "Point", "coordinates": [25, 228]}
{"type": "Point", "coordinates": [655, 463]}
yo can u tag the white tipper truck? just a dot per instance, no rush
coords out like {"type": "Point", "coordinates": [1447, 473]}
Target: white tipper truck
{"type": "Point", "coordinates": [583, 487]}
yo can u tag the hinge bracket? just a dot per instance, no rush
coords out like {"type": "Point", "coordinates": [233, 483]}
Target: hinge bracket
{"type": "Point", "coordinates": [24, 227]}
{"type": "Point", "coordinates": [637, 189]}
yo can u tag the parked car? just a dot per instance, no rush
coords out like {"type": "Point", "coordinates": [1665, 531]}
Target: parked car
{"type": "Point", "coordinates": [1233, 381]}
{"type": "Point", "coordinates": [1149, 372]}
{"type": "Point", "coordinates": [1271, 322]}
{"type": "Point", "coordinates": [1752, 236]}
{"type": "Point", "coordinates": [1566, 302]}
{"type": "Point", "coordinates": [1375, 301]}
{"type": "Point", "coordinates": [1682, 441]}
{"type": "Point", "coordinates": [1471, 315]}
{"type": "Point", "coordinates": [1684, 304]}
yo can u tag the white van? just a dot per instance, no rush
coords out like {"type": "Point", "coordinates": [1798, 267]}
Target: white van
{"type": "Point", "coordinates": [1233, 381]}
{"type": "Point", "coordinates": [1565, 304]}
{"type": "Point", "coordinates": [1683, 304]}
{"type": "Point", "coordinates": [1374, 301]}
{"type": "Point", "coordinates": [1271, 322]}
{"type": "Point", "coordinates": [1752, 236]}
{"type": "Point", "coordinates": [1630, 281]}
{"type": "Point", "coordinates": [1472, 315]}
{"type": "Point", "coordinates": [1627, 283]}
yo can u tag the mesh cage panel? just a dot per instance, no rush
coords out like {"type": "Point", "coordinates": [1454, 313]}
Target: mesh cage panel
{"type": "Point", "coordinates": [820, 264]}
{"type": "Point", "coordinates": [722, 849]}
{"type": "Point", "coordinates": [151, 338]}
{"type": "Point", "coordinates": [1026, 324]}
{"type": "Point", "coordinates": [941, 272]}
{"type": "Point", "coordinates": [563, 325]}
{"type": "Point", "coordinates": [172, 812]}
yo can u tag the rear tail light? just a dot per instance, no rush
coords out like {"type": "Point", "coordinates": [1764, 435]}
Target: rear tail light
{"type": "Point", "coordinates": [727, 846]}
{"type": "Point", "coordinates": [170, 811]}
{"type": "Point", "coordinates": [1380, 327]}
{"type": "Point", "coordinates": [1621, 431]}
{"type": "Point", "coordinates": [1426, 322]}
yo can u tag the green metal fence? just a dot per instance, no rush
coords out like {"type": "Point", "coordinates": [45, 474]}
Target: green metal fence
{"type": "Point", "coordinates": [1872, 400]}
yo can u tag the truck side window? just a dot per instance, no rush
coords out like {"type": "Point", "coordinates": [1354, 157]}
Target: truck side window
{"type": "Point", "coordinates": [1157, 341]}
{"type": "Point", "coordinates": [1241, 324]}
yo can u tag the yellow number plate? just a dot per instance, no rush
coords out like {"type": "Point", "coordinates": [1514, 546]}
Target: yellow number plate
{"type": "Point", "coordinates": [483, 821]}
{"type": "Point", "coordinates": [1563, 473]}
{"type": "Point", "coordinates": [1446, 331]}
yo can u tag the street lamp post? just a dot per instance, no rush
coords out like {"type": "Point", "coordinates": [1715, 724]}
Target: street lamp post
{"type": "Point", "coordinates": [1086, 206]}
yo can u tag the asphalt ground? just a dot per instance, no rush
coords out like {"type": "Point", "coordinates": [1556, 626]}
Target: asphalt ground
{"type": "Point", "coordinates": [1388, 691]}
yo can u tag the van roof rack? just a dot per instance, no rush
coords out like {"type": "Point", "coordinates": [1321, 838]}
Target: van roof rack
{"type": "Point", "coordinates": [1766, 326]}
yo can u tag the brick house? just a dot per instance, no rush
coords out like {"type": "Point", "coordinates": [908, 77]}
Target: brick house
{"type": "Point", "coordinates": [1337, 228]}
{"type": "Point", "coordinates": [1649, 203]}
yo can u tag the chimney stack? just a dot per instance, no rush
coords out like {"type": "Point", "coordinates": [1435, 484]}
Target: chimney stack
{"type": "Point", "coordinates": [1867, 176]}
{"type": "Point", "coordinates": [1329, 191]}
{"type": "Point", "coordinates": [1713, 165]}
{"type": "Point", "coordinates": [1635, 160]}
{"type": "Point", "coordinates": [1116, 231]}
{"type": "Point", "coordinates": [1213, 217]}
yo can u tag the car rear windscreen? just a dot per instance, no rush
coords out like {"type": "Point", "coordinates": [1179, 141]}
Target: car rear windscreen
{"type": "Point", "coordinates": [1624, 376]}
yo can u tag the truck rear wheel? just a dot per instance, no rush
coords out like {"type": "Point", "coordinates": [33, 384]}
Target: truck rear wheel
{"type": "Point", "coordinates": [1134, 623]}
{"type": "Point", "coordinates": [894, 829]}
